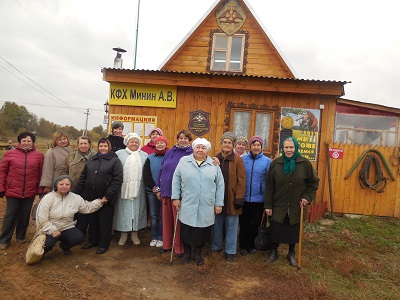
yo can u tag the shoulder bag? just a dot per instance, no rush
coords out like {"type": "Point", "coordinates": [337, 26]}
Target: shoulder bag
{"type": "Point", "coordinates": [36, 247]}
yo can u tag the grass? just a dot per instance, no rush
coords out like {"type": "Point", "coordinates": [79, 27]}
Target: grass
{"type": "Point", "coordinates": [349, 259]}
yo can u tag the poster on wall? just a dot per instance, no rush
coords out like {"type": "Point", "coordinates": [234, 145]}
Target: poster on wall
{"type": "Point", "coordinates": [303, 124]}
{"type": "Point", "coordinates": [141, 125]}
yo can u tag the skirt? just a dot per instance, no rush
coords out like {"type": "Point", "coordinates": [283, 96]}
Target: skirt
{"type": "Point", "coordinates": [285, 233]}
{"type": "Point", "coordinates": [195, 236]}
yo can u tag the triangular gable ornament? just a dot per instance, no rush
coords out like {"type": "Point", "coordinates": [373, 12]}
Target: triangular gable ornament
{"type": "Point", "coordinates": [230, 16]}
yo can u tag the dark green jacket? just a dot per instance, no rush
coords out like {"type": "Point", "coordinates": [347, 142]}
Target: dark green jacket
{"type": "Point", "coordinates": [284, 192]}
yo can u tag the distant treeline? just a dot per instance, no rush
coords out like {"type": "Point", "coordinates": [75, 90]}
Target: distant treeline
{"type": "Point", "coordinates": [15, 119]}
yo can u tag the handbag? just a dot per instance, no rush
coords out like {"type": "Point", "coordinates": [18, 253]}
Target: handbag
{"type": "Point", "coordinates": [263, 241]}
{"type": "Point", "coordinates": [36, 247]}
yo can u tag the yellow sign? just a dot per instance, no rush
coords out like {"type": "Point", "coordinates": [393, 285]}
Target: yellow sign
{"type": "Point", "coordinates": [142, 95]}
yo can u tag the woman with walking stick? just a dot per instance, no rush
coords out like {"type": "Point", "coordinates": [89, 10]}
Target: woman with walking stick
{"type": "Point", "coordinates": [291, 183]}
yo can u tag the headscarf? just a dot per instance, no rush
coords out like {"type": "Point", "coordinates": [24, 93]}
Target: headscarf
{"type": "Point", "coordinates": [290, 162]}
{"type": "Point", "coordinates": [103, 141]}
{"type": "Point", "coordinates": [201, 141]}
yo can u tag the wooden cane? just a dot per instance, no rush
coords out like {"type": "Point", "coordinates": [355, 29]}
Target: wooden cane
{"type": "Point", "coordinates": [173, 239]}
{"type": "Point", "coordinates": [300, 239]}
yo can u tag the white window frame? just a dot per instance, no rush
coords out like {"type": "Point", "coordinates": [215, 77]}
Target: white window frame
{"type": "Point", "coordinates": [228, 52]}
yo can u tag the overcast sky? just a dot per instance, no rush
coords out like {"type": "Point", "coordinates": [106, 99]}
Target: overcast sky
{"type": "Point", "coordinates": [57, 48]}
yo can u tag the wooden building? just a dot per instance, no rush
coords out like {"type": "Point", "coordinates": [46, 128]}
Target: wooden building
{"type": "Point", "coordinates": [227, 75]}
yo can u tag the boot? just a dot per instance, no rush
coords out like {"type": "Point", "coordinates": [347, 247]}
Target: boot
{"type": "Point", "coordinates": [123, 238]}
{"type": "Point", "coordinates": [290, 258]}
{"type": "Point", "coordinates": [187, 254]}
{"type": "Point", "coordinates": [273, 256]}
{"type": "Point", "coordinates": [197, 256]}
{"type": "Point", "coordinates": [135, 238]}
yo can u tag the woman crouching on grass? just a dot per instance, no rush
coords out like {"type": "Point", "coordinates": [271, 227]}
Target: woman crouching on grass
{"type": "Point", "coordinates": [57, 210]}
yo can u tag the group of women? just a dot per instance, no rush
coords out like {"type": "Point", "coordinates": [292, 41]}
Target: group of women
{"type": "Point", "coordinates": [211, 197]}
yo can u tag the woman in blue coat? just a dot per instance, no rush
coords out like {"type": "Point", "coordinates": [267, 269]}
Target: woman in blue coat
{"type": "Point", "coordinates": [198, 193]}
{"type": "Point", "coordinates": [257, 165]}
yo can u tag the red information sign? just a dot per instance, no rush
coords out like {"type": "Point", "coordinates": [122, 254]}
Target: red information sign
{"type": "Point", "coordinates": [336, 153]}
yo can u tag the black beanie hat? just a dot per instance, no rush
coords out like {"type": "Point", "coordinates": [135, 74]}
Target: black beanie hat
{"type": "Point", "coordinates": [24, 135]}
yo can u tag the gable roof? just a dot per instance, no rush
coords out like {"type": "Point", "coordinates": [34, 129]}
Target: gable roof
{"type": "Point", "coordinates": [208, 19]}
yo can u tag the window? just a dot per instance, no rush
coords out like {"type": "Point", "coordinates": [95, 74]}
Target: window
{"type": "Point", "coordinates": [227, 52]}
{"type": "Point", "coordinates": [366, 129]}
{"type": "Point", "coordinates": [250, 123]}
{"type": "Point", "coordinates": [252, 119]}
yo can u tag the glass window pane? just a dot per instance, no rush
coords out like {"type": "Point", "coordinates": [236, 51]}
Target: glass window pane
{"type": "Point", "coordinates": [341, 136]}
{"type": "Point", "coordinates": [236, 50]}
{"type": "Point", "coordinates": [234, 66]}
{"type": "Point", "coordinates": [263, 125]}
{"type": "Point", "coordinates": [366, 122]}
{"type": "Point", "coordinates": [219, 60]}
{"type": "Point", "coordinates": [390, 139]}
{"type": "Point", "coordinates": [236, 54]}
{"type": "Point", "coordinates": [221, 41]}
{"type": "Point", "coordinates": [241, 123]}
{"type": "Point", "coordinates": [366, 129]}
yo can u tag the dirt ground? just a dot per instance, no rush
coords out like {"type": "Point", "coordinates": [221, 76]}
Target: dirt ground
{"type": "Point", "coordinates": [140, 272]}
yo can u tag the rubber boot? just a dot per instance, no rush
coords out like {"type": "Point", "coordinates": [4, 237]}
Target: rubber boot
{"type": "Point", "coordinates": [273, 257]}
{"type": "Point", "coordinates": [197, 255]}
{"type": "Point", "coordinates": [290, 258]}
{"type": "Point", "coordinates": [135, 238]}
{"type": "Point", "coordinates": [187, 254]}
{"type": "Point", "coordinates": [123, 238]}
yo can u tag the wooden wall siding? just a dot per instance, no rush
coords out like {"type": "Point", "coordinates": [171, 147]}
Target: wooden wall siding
{"type": "Point", "coordinates": [349, 197]}
{"type": "Point", "coordinates": [262, 60]}
{"type": "Point", "coordinates": [215, 102]}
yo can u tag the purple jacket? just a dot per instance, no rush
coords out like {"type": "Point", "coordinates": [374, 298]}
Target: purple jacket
{"type": "Point", "coordinates": [171, 160]}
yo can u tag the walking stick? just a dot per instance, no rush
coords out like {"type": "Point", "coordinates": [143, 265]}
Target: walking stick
{"type": "Point", "coordinates": [300, 239]}
{"type": "Point", "coordinates": [173, 239]}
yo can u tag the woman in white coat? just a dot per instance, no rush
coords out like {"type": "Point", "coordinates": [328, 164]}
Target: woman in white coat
{"type": "Point", "coordinates": [131, 213]}
{"type": "Point", "coordinates": [198, 192]}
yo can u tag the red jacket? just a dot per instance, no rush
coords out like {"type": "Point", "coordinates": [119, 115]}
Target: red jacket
{"type": "Point", "coordinates": [20, 172]}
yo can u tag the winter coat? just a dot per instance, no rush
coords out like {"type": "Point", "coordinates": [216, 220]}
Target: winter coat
{"type": "Point", "coordinates": [171, 160]}
{"type": "Point", "coordinates": [256, 172]}
{"type": "Point", "coordinates": [150, 170]}
{"type": "Point", "coordinates": [284, 192]}
{"type": "Point", "coordinates": [234, 173]}
{"type": "Point", "coordinates": [117, 142]}
{"type": "Point", "coordinates": [200, 189]}
{"type": "Point", "coordinates": [20, 172]}
{"type": "Point", "coordinates": [74, 164]}
{"type": "Point", "coordinates": [59, 211]}
{"type": "Point", "coordinates": [149, 148]}
{"type": "Point", "coordinates": [101, 177]}
{"type": "Point", "coordinates": [53, 161]}
{"type": "Point", "coordinates": [131, 215]}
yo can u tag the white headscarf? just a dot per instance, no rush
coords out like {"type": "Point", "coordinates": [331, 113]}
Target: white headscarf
{"type": "Point", "coordinates": [131, 135]}
{"type": "Point", "coordinates": [201, 141]}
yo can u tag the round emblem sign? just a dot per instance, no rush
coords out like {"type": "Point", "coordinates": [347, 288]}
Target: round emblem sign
{"type": "Point", "coordinates": [287, 122]}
